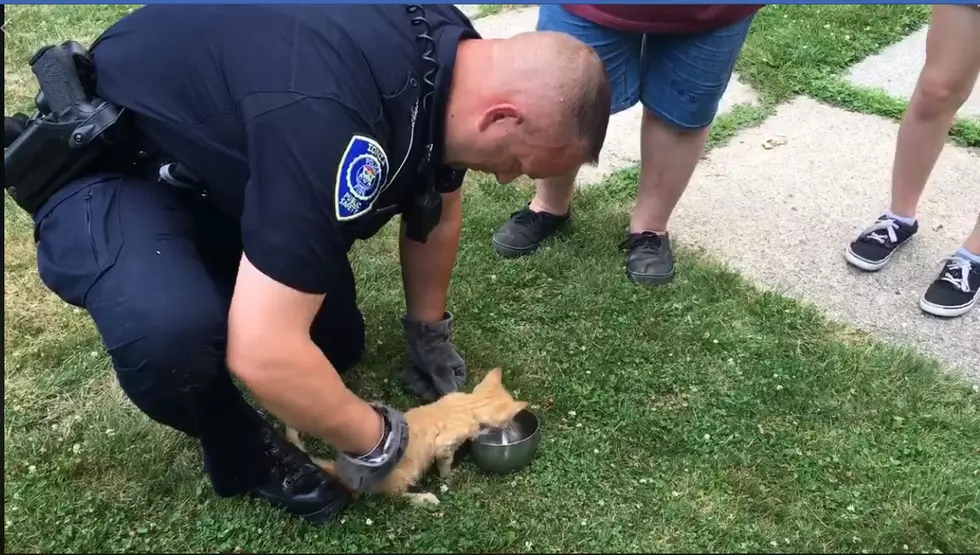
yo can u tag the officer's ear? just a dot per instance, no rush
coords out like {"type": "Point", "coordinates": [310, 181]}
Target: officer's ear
{"type": "Point", "coordinates": [501, 113]}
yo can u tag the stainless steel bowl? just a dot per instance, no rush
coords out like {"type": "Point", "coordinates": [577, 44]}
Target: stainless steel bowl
{"type": "Point", "coordinates": [504, 450]}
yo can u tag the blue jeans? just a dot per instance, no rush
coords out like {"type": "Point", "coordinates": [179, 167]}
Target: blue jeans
{"type": "Point", "coordinates": [679, 78]}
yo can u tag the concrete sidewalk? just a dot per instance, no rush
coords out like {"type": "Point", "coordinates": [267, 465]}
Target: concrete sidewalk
{"type": "Point", "coordinates": [896, 69]}
{"type": "Point", "coordinates": [782, 215]}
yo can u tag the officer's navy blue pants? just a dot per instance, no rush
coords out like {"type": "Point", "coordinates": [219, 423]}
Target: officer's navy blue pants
{"type": "Point", "coordinates": [155, 268]}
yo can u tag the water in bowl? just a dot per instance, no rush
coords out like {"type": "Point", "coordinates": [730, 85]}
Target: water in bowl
{"type": "Point", "coordinates": [511, 433]}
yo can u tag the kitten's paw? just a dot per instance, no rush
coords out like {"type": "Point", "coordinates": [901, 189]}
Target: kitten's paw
{"type": "Point", "coordinates": [422, 498]}
{"type": "Point", "coordinates": [445, 467]}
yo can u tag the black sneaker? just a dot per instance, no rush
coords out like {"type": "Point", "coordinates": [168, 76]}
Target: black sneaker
{"type": "Point", "coordinates": [649, 258]}
{"type": "Point", "coordinates": [297, 485]}
{"type": "Point", "coordinates": [875, 246]}
{"type": "Point", "coordinates": [955, 291]}
{"type": "Point", "coordinates": [524, 232]}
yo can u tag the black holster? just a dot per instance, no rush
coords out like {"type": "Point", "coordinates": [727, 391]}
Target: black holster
{"type": "Point", "coordinates": [70, 131]}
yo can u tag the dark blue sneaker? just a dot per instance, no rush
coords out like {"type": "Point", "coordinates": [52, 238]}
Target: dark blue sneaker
{"type": "Point", "coordinates": [875, 246]}
{"type": "Point", "coordinates": [955, 291]}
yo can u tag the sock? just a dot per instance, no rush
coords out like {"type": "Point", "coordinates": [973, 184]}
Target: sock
{"type": "Point", "coordinates": [903, 219]}
{"type": "Point", "coordinates": [963, 253]}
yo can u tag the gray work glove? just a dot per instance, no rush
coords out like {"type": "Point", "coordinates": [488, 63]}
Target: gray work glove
{"type": "Point", "coordinates": [366, 471]}
{"type": "Point", "coordinates": [436, 367]}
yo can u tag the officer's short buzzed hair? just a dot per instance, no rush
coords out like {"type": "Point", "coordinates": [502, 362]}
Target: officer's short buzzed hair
{"type": "Point", "coordinates": [573, 80]}
{"type": "Point", "coordinates": [591, 116]}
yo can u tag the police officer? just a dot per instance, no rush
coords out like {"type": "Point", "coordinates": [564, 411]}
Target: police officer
{"type": "Point", "coordinates": [277, 136]}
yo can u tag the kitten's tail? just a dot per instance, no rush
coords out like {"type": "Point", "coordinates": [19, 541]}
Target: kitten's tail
{"type": "Point", "coordinates": [293, 436]}
{"type": "Point", "coordinates": [328, 466]}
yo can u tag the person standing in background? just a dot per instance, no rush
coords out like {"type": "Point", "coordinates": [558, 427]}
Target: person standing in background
{"type": "Point", "coordinates": [945, 82]}
{"type": "Point", "coordinates": [675, 59]}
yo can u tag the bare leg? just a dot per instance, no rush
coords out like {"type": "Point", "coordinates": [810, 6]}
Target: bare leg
{"type": "Point", "coordinates": [945, 82]}
{"type": "Point", "coordinates": [554, 195]}
{"type": "Point", "coordinates": [947, 78]}
{"type": "Point", "coordinates": [972, 242]}
{"type": "Point", "coordinates": [668, 158]}
{"type": "Point", "coordinates": [950, 72]}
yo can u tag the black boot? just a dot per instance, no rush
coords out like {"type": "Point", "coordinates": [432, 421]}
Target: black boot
{"type": "Point", "coordinates": [243, 454]}
{"type": "Point", "coordinates": [294, 483]}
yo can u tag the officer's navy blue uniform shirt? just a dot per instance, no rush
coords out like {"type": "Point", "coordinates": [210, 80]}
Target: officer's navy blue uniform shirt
{"type": "Point", "coordinates": [306, 122]}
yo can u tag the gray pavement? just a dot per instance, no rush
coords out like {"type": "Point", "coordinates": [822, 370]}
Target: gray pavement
{"type": "Point", "coordinates": [469, 9]}
{"type": "Point", "coordinates": [507, 23]}
{"type": "Point", "coordinates": [896, 69]}
{"type": "Point", "coordinates": [780, 202]}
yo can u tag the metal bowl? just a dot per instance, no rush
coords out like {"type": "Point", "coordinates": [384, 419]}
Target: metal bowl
{"type": "Point", "coordinates": [504, 450]}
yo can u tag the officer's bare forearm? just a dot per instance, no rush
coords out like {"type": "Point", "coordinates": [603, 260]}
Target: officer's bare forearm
{"type": "Point", "coordinates": [270, 350]}
{"type": "Point", "coordinates": [297, 384]}
{"type": "Point", "coordinates": [427, 267]}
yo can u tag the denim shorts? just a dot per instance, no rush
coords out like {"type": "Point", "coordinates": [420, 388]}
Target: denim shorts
{"type": "Point", "coordinates": [679, 77]}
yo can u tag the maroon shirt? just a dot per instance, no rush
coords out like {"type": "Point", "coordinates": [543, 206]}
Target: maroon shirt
{"type": "Point", "coordinates": [663, 18]}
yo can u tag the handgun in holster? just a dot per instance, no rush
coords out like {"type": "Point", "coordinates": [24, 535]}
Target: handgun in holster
{"type": "Point", "coordinates": [71, 128]}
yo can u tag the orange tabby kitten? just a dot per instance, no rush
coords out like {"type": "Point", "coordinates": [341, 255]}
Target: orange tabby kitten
{"type": "Point", "coordinates": [436, 430]}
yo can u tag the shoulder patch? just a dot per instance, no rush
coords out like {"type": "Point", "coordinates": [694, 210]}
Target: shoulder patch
{"type": "Point", "coordinates": [362, 170]}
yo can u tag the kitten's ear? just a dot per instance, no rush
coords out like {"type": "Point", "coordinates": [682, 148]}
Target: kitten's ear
{"type": "Point", "coordinates": [492, 379]}
{"type": "Point", "coordinates": [519, 406]}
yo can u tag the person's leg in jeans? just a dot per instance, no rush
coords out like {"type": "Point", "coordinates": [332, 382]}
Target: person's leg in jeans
{"type": "Point", "coordinates": [155, 273]}
{"type": "Point", "coordinates": [550, 208]}
{"type": "Point", "coordinates": [945, 82]}
{"type": "Point", "coordinates": [684, 79]}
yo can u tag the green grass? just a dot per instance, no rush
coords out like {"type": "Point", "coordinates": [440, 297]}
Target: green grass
{"type": "Point", "coordinates": [707, 415]}
{"type": "Point", "coordinates": [804, 50]}
{"type": "Point", "coordinates": [703, 416]}
{"type": "Point", "coordinates": [741, 116]}
{"type": "Point", "coordinates": [836, 91]}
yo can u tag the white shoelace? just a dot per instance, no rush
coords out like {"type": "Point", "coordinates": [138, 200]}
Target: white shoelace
{"type": "Point", "coordinates": [963, 265]}
{"type": "Point", "coordinates": [888, 225]}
